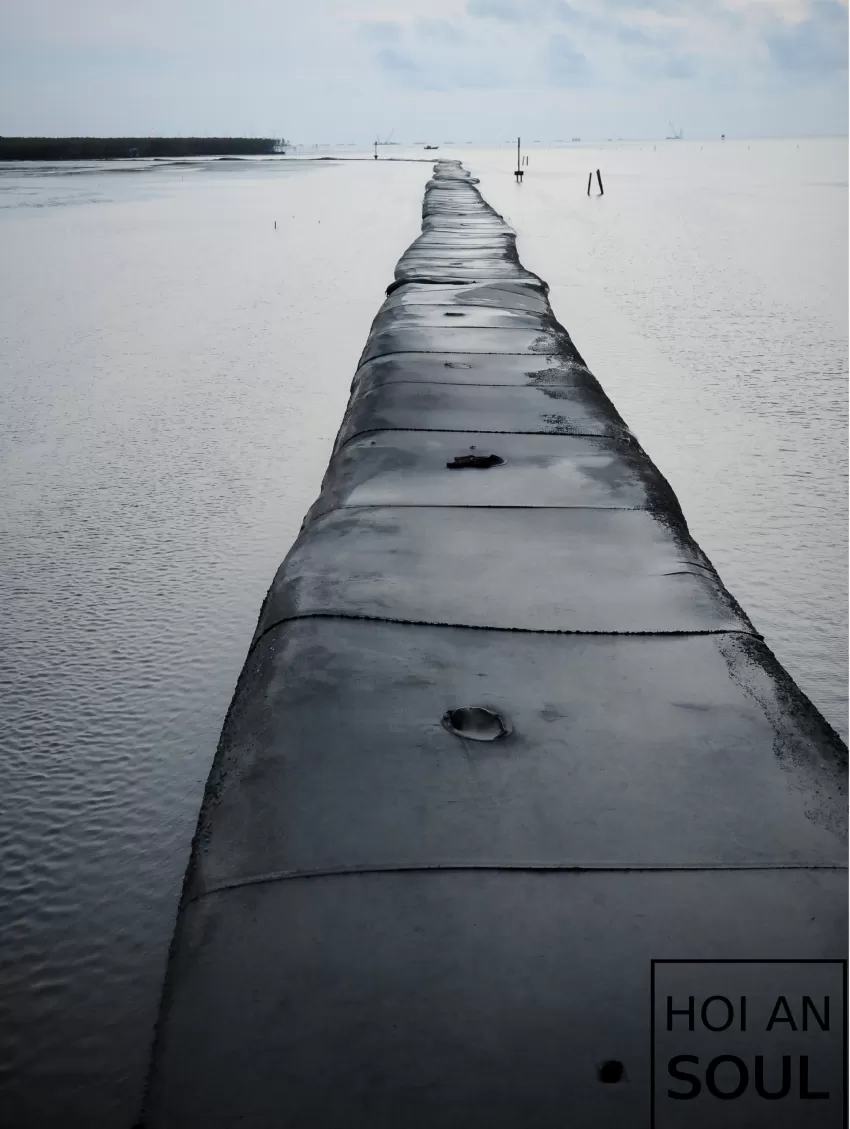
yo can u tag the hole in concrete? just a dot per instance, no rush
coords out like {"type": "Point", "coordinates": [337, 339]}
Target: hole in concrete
{"type": "Point", "coordinates": [611, 1072]}
{"type": "Point", "coordinates": [476, 723]}
{"type": "Point", "coordinates": [475, 462]}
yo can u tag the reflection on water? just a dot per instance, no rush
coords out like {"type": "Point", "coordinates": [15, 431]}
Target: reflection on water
{"type": "Point", "coordinates": [176, 371]}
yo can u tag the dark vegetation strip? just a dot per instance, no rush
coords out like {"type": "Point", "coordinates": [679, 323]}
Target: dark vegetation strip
{"type": "Point", "coordinates": [109, 148]}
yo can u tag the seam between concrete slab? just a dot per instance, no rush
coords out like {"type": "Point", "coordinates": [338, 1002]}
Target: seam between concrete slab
{"type": "Point", "coordinates": [465, 430]}
{"type": "Point", "coordinates": [465, 383]}
{"type": "Point", "coordinates": [490, 627]}
{"type": "Point", "coordinates": [476, 506]}
{"type": "Point", "coordinates": [628, 440]}
{"type": "Point", "coordinates": [440, 352]}
{"type": "Point", "coordinates": [456, 306]}
{"type": "Point", "coordinates": [522, 867]}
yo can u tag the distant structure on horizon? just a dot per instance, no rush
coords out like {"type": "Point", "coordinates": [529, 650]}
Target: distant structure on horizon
{"type": "Point", "coordinates": [675, 135]}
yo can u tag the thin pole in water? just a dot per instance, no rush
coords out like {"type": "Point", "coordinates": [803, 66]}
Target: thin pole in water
{"type": "Point", "coordinates": [589, 181]}
{"type": "Point", "coordinates": [599, 178]}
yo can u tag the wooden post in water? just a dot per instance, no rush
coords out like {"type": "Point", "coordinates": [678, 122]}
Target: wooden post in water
{"type": "Point", "coordinates": [599, 178]}
{"type": "Point", "coordinates": [589, 181]}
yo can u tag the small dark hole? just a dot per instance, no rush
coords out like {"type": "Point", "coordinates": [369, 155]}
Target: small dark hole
{"type": "Point", "coordinates": [475, 462]}
{"type": "Point", "coordinates": [612, 1072]}
{"type": "Point", "coordinates": [452, 314]}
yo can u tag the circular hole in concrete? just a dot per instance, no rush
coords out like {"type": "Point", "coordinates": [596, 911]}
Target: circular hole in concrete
{"type": "Point", "coordinates": [476, 723]}
{"type": "Point", "coordinates": [611, 1072]}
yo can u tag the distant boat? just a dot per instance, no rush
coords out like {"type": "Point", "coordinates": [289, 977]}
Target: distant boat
{"type": "Point", "coordinates": [432, 146]}
{"type": "Point", "coordinates": [675, 135]}
{"type": "Point", "coordinates": [576, 139]}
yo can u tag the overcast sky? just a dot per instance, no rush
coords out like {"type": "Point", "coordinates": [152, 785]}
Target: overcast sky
{"type": "Point", "coordinates": [443, 70]}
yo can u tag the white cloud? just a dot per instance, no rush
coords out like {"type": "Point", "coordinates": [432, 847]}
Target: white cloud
{"type": "Point", "coordinates": [345, 68]}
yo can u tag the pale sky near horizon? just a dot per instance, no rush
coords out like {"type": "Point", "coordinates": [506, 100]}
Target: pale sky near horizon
{"type": "Point", "coordinates": [484, 70]}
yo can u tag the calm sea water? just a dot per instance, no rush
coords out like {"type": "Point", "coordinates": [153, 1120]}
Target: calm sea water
{"type": "Point", "coordinates": [175, 370]}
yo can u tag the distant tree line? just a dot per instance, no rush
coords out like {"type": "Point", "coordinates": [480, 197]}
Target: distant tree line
{"type": "Point", "coordinates": [106, 148]}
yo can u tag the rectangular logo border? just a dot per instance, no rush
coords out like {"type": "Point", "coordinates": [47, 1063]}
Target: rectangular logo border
{"type": "Point", "coordinates": [745, 960]}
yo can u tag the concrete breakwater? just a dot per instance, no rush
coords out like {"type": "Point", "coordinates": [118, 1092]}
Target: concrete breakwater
{"type": "Point", "coordinates": [502, 739]}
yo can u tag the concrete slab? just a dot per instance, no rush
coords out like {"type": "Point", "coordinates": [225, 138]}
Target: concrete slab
{"type": "Point", "coordinates": [525, 569]}
{"type": "Point", "coordinates": [456, 316]}
{"type": "Point", "coordinates": [498, 369]}
{"type": "Point", "coordinates": [623, 751]}
{"type": "Point", "coordinates": [441, 275]}
{"type": "Point", "coordinates": [550, 409]}
{"type": "Point", "coordinates": [493, 295]}
{"type": "Point", "coordinates": [441, 242]}
{"type": "Point", "coordinates": [455, 224]}
{"type": "Point", "coordinates": [452, 339]}
{"type": "Point", "coordinates": [411, 468]}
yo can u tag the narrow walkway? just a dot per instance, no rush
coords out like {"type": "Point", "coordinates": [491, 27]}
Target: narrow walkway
{"type": "Point", "coordinates": [510, 733]}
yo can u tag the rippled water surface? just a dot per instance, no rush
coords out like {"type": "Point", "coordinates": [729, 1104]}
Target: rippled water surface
{"type": "Point", "coordinates": [175, 370]}
{"type": "Point", "coordinates": [174, 374]}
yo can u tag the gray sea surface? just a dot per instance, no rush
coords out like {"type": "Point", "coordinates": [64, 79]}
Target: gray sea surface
{"type": "Point", "coordinates": [174, 370]}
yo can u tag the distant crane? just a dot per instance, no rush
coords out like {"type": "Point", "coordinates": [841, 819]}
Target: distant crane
{"type": "Point", "coordinates": [675, 135]}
